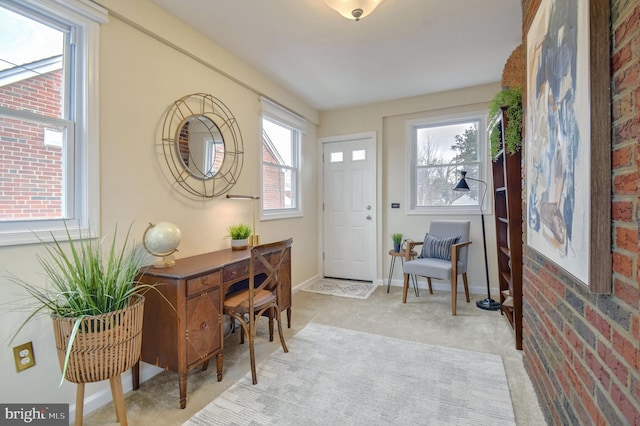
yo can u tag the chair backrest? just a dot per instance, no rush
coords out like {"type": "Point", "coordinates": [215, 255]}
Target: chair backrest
{"type": "Point", "coordinates": [270, 264]}
{"type": "Point", "coordinates": [452, 228]}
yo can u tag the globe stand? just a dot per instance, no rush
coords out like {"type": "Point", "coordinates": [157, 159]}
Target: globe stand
{"type": "Point", "coordinates": [165, 262]}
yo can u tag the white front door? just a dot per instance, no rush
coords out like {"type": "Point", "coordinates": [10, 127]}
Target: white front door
{"type": "Point", "coordinates": [349, 207]}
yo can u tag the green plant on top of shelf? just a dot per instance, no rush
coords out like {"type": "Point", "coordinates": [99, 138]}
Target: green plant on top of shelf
{"type": "Point", "coordinates": [510, 99]}
{"type": "Point", "coordinates": [397, 238]}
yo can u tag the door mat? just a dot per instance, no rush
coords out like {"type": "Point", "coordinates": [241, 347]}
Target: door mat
{"type": "Point", "coordinates": [342, 288]}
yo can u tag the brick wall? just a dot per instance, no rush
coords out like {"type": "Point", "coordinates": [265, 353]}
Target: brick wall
{"type": "Point", "coordinates": [272, 182]}
{"type": "Point", "coordinates": [582, 350]}
{"type": "Point", "coordinates": [30, 172]}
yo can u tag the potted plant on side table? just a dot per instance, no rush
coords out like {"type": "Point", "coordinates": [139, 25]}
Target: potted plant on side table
{"type": "Point", "coordinates": [239, 236]}
{"type": "Point", "coordinates": [397, 242]}
{"type": "Point", "coordinates": [96, 306]}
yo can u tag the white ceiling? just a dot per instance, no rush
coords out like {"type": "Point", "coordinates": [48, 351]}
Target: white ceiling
{"type": "Point", "coordinates": [404, 48]}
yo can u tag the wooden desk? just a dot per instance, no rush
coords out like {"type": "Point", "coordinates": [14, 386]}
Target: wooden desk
{"type": "Point", "coordinates": [192, 334]}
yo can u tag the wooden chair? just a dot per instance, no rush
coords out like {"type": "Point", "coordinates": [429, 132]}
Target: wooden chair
{"type": "Point", "coordinates": [441, 266]}
{"type": "Point", "coordinates": [261, 297]}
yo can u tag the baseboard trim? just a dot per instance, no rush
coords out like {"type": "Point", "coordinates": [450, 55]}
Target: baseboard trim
{"type": "Point", "coordinates": [314, 278]}
{"type": "Point", "coordinates": [443, 286]}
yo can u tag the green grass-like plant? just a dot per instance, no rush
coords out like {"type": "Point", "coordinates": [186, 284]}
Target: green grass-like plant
{"type": "Point", "coordinates": [239, 231]}
{"type": "Point", "coordinates": [510, 99]}
{"type": "Point", "coordinates": [88, 278]}
{"type": "Point", "coordinates": [397, 238]}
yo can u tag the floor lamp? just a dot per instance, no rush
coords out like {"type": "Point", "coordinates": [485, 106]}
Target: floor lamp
{"type": "Point", "coordinates": [489, 304]}
{"type": "Point", "coordinates": [254, 238]}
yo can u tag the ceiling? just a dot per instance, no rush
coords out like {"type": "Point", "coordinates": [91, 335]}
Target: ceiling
{"type": "Point", "coordinates": [404, 48]}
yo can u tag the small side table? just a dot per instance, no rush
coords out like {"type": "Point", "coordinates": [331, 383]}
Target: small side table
{"type": "Point", "coordinates": [401, 254]}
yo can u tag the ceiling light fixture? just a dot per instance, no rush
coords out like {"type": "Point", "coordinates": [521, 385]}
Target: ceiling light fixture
{"type": "Point", "coordinates": [353, 9]}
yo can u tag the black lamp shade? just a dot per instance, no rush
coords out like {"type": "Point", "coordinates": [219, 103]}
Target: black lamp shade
{"type": "Point", "coordinates": [462, 185]}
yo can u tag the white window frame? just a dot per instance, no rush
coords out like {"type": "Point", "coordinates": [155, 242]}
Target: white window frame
{"type": "Point", "coordinates": [283, 117]}
{"type": "Point", "coordinates": [483, 164]}
{"type": "Point", "coordinates": [82, 158]}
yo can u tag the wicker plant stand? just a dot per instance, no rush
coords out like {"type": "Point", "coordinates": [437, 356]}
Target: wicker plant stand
{"type": "Point", "coordinates": [104, 347]}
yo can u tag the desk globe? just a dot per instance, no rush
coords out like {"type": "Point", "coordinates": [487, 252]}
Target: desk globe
{"type": "Point", "coordinates": [162, 240]}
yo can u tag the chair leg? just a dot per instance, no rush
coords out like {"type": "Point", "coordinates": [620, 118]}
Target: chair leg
{"type": "Point", "coordinates": [279, 319]}
{"type": "Point", "coordinates": [466, 286]}
{"type": "Point", "coordinates": [252, 357]}
{"type": "Point", "coordinates": [405, 289]}
{"type": "Point", "coordinates": [271, 326]}
{"type": "Point", "coordinates": [251, 333]}
{"type": "Point", "coordinates": [430, 287]}
{"type": "Point", "coordinates": [454, 291]}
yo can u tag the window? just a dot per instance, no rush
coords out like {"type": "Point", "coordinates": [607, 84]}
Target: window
{"type": "Point", "coordinates": [439, 150]}
{"type": "Point", "coordinates": [281, 137]}
{"type": "Point", "coordinates": [48, 118]}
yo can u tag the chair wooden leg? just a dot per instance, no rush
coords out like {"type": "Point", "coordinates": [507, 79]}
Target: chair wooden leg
{"type": "Point", "coordinates": [466, 286]}
{"type": "Point", "coordinates": [271, 326]}
{"type": "Point", "coordinates": [279, 319]}
{"type": "Point", "coordinates": [243, 332]}
{"type": "Point", "coordinates": [430, 287]}
{"type": "Point", "coordinates": [252, 357]}
{"type": "Point", "coordinates": [79, 403]}
{"type": "Point", "coordinates": [405, 289]}
{"type": "Point", "coordinates": [454, 293]}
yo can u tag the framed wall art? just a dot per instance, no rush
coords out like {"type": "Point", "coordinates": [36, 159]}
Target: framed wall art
{"type": "Point", "coordinates": [568, 138]}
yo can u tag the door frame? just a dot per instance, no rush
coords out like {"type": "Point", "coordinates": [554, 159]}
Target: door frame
{"type": "Point", "coordinates": [373, 250]}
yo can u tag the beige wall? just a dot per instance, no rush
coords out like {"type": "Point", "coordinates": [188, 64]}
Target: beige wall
{"type": "Point", "coordinates": [140, 77]}
{"type": "Point", "coordinates": [388, 120]}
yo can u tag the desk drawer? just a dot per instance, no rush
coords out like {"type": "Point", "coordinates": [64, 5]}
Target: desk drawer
{"type": "Point", "coordinates": [236, 271]}
{"type": "Point", "coordinates": [203, 283]}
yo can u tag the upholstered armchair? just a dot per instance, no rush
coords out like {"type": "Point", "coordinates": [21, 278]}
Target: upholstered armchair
{"type": "Point", "coordinates": [443, 256]}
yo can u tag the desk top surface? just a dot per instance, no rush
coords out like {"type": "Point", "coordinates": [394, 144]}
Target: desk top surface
{"type": "Point", "coordinates": [200, 264]}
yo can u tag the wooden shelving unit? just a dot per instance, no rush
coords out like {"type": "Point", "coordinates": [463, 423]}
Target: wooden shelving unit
{"type": "Point", "coordinates": [507, 184]}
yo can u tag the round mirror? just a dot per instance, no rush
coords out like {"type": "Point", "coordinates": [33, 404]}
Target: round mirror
{"type": "Point", "coordinates": [201, 146]}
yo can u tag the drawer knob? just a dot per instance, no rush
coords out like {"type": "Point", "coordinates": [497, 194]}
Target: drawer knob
{"type": "Point", "coordinates": [204, 326]}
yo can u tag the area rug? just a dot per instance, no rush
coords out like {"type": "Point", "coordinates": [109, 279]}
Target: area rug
{"type": "Point", "coordinates": [333, 376]}
{"type": "Point", "coordinates": [333, 287]}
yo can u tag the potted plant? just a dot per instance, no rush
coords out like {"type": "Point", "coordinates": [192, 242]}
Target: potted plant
{"type": "Point", "coordinates": [397, 242]}
{"type": "Point", "coordinates": [239, 236]}
{"type": "Point", "coordinates": [509, 99]}
{"type": "Point", "coordinates": [96, 306]}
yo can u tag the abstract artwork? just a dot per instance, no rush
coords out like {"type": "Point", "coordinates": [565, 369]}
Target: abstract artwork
{"type": "Point", "coordinates": [559, 154]}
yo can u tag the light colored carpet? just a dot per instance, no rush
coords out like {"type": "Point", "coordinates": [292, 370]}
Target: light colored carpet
{"type": "Point", "coordinates": [333, 287]}
{"type": "Point", "coordinates": [334, 376]}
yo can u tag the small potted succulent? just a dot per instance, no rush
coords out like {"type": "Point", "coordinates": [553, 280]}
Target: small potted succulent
{"type": "Point", "coordinates": [397, 241]}
{"type": "Point", "coordinates": [239, 236]}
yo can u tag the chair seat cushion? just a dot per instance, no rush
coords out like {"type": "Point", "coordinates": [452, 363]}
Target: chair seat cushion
{"type": "Point", "coordinates": [438, 248]}
{"type": "Point", "coordinates": [429, 267]}
{"type": "Point", "coordinates": [239, 301]}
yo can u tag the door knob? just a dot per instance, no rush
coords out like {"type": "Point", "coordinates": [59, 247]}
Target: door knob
{"type": "Point", "coordinates": [368, 217]}
{"type": "Point", "coordinates": [369, 207]}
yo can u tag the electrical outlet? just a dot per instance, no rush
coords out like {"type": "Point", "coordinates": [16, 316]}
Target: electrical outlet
{"type": "Point", "coordinates": [23, 356]}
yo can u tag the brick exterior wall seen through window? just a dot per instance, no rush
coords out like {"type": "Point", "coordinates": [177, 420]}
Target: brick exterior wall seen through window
{"type": "Point", "coordinates": [30, 172]}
